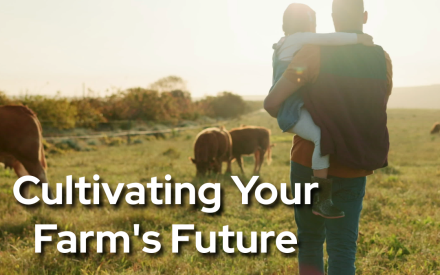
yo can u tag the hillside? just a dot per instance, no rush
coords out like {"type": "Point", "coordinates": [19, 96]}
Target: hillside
{"type": "Point", "coordinates": [420, 97]}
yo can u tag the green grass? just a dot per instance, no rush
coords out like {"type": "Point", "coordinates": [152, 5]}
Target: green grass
{"type": "Point", "coordinates": [400, 222]}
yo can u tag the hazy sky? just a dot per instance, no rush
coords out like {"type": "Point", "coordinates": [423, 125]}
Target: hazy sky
{"type": "Point", "coordinates": [216, 45]}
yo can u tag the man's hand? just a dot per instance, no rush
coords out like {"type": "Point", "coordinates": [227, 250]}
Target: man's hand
{"type": "Point", "coordinates": [365, 39]}
{"type": "Point", "coordinates": [282, 90]}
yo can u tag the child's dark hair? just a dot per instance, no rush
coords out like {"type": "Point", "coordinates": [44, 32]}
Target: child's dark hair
{"type": "Point", "coordinates": [298, 18]}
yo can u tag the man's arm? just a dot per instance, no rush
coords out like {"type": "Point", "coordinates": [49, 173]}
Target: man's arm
{"type": "Point", "coordinates": [389, 73]}
{"type": "Point", "coordinates": [280, 92]}
{"type": "Point", "coordinates": [303, 69]}
{"type": "Point", "coordinates": [337, 38]}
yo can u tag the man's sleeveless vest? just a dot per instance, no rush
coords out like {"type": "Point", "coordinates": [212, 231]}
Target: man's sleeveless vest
{"type": "Point", "coordinates": [348, 101]}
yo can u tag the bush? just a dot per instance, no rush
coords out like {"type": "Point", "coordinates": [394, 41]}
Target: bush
{"type": "Point", "coordinates": [88, 116]}
{"type": "Point", "coordinates": [71, 144]}
{"type": "Point", "coordinates": [93, 142]}
{"type": "Point", "coordinates": [225, 105]}
{"type": "Point", "coordinates": [137, 141]}
{"type": "Point", "coordinates": [4, 99]}
{"type": "Point", "coordinates": [53, 112]}
{"type": "Point", "coordinates": [117, 141]}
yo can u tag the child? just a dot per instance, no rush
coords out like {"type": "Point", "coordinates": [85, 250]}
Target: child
{"type": "Point", "coordinates": [299, 25]}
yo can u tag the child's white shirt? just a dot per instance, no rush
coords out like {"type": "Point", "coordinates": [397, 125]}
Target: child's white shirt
{"type": "Point", "coordinates": [286, 48]}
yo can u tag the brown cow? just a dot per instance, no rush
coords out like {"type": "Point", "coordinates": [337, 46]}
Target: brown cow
{"type": "Point", "coordinates": [21, 146]}
{"type": "Point", "coordinates": [435, 128]}
{"type": "Point", "coordinates": [212, 147]}
{"type": "Point", "coordinates": [248, 140]}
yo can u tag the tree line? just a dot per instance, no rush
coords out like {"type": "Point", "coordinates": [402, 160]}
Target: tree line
{"type": "Point", "coordinates": [165, 101]}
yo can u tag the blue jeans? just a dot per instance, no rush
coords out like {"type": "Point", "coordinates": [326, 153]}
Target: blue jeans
{"type": "Point", "coordinates": [341, 234]}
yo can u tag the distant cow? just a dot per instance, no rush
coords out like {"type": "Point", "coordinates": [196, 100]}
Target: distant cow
{"type": "Point", "coordinates": [21, 145]}
{"type": "Point", "coordinates": [248, 140]}
{"type": "Point", "coordinates": [435, 128]}
{"type": "Point", "coordinates": [212, 147]}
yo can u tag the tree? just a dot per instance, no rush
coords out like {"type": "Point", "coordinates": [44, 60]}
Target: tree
{"type": "Point", "coordinates": [226, 105]}
{"type": "Point", "coordinates": [168, 84]}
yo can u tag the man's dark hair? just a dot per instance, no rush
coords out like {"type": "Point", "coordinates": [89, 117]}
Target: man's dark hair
{"type": "Point", "coordinates": [298, 18]}
{"type": "Point", "coordinates": [350, 12]}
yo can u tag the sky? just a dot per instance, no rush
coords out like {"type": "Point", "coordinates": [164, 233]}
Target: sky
{"type": "Point", "coordinates": [48, 46]}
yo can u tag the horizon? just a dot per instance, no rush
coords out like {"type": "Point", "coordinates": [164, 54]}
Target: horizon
{"type": "Point", "coordinates": [217, 46]}
{"type": "Point", "coordinates": [92, 93]}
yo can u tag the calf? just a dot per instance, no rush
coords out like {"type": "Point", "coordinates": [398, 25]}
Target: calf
{"type": "Point", "coordinates": [435, 128]}
{"type": "Point", "coordinates": [21, 146]}
{"type": "Point", "coordinates": [212, 147]}
{"type": "Point", "coordinates": [248, 140]}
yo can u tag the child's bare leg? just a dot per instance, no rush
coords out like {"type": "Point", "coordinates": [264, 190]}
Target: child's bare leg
{"type": "Point", "coordinates": [322, 203]}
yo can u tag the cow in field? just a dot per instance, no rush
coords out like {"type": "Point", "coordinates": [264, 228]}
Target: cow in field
{"type": "Point", "coordinates": [435, 128]}
{"type": "Point", "coordinates": [21, 146]}
{"type": "Point", "coordinates": [248, 140]}
{"type": "Point", "coordinates": [212, 147]}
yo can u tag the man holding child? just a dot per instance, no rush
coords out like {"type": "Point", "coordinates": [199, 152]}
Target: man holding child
{"type": "Point", "coordinates": [341, 92]}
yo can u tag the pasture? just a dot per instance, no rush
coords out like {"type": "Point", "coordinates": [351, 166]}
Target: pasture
{"type": "Point", "coordinates": [400, 222]}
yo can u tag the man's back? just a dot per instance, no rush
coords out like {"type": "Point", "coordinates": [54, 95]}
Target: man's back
{"type": "Point", "coordinates": [346, 94]}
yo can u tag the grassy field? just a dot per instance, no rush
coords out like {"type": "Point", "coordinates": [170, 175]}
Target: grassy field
{"type": "Point", "coordinates": [400, 222]}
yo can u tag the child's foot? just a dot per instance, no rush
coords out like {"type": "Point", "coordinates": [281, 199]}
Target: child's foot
{"type": "Point", "coordinates": [323, 204]}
